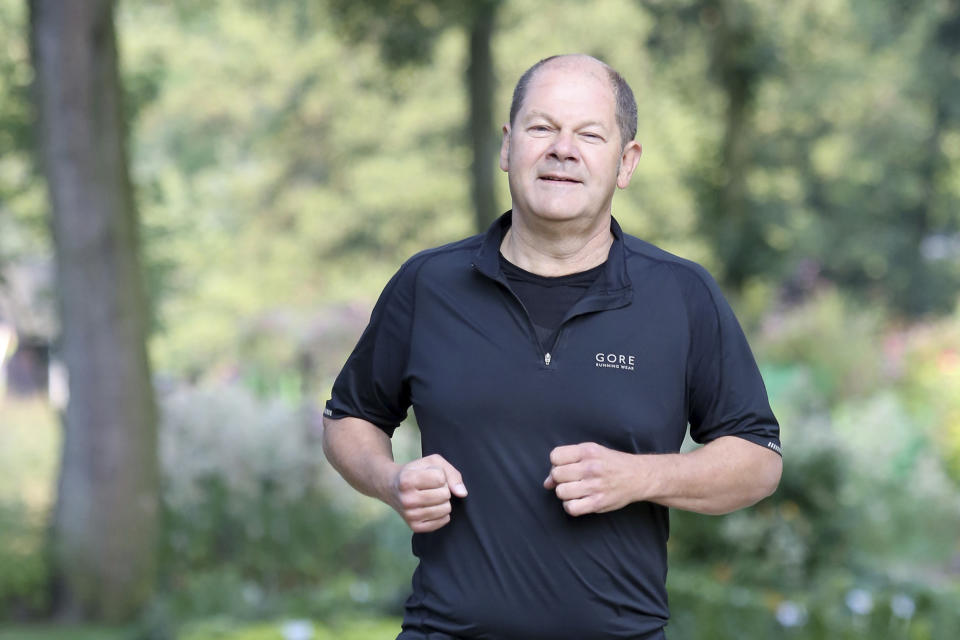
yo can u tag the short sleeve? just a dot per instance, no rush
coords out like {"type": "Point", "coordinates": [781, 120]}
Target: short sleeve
{"type": "Point", "coordinates": [726, 394]}
{"type": "Point", "coordinates": [372, 384]}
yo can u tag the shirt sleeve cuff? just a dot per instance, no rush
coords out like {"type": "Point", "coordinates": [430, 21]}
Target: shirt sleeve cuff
{"type": "Point", "coordinates": [334, 412]}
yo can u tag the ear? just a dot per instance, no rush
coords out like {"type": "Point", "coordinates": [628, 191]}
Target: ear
{"type": "Point", "coordinates": [628, 163]}
{"type": "Point", "coordinates": [505, 149]}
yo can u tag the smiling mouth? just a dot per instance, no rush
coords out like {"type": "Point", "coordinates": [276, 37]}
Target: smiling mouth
{"type": "Point", "coordinates": [559, 179]}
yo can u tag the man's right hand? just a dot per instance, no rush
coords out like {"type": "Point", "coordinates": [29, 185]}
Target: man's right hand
{"type": "Point", "coordinates": [422, 490]}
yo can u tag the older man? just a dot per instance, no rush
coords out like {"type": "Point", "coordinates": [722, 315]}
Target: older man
{"type": "Point", "coordinates": [553, 364]}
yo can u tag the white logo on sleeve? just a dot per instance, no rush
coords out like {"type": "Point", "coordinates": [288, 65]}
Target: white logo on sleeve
{"type": "Point", "coordinates": [615, 361]}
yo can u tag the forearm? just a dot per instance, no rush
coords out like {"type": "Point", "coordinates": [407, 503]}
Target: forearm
{"type": "Point", "coordinates": [362, 453]}
{"type": "Point", "coordinates": [725, 475]}
{"type": "Point", "coordinates": [420, 490]}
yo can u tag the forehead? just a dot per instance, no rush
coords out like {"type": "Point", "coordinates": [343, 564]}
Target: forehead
{"type": "Point", "coordinates": [575, 88]}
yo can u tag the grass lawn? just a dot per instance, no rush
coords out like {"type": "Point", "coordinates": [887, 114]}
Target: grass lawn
{"type": "Point", "coordinates": [218, 629]}
{"type": "Point", "coordinates": [383, 629]}
{"type": "Point", "coordinates": [62, 632]}
{"type": "Point", "coordinates": [29, 452]}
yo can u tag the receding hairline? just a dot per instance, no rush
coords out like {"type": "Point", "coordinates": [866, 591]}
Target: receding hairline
{"type": "Point", "coordinates": [624, 100]}
{"type": "Point", "coordinates": [569, 59]}
{"type": "Point", "coordinates": [575, 60]}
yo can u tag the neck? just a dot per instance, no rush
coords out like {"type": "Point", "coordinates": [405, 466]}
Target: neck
{"type": "Point", "coordinates": [551, 248]}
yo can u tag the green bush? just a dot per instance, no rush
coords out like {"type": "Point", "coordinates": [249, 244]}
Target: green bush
{"type": "Point", "coordinates": [787, 539]}
{"type": "Point", "coordinates": [256, 524]}
{"type": "Point", "coordinates": [929, 361]}
{"type": "Point", "coordinates": [833, 339]}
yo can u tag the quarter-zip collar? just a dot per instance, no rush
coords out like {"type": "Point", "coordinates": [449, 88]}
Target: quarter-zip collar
{"type": "Point", "coordinates": [612, 289]}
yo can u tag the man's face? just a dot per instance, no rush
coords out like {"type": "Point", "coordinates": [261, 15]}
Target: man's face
{"type": "Point", "coordinates": [563, 152]}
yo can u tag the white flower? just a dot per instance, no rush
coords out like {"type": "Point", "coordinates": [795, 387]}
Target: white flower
{"type": "Point", "coordinates": [297, 630]}
{"type": "Point", "coordinates": [902, 606]}
{"type": "Point", "coordinates": [791, 614]}
{"type": "Point", "coordinates": [859, 601]}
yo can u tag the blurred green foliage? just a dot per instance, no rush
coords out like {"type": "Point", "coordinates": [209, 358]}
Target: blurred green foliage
{"type": "Point", "coordinates": [22, 204]}
{"type": "Point", "coordinates": [838, 608]}
{"type": "Point", "coordinates": [859, 541]}
{"type": "Point", "coordinates": [24, 573]}
{"type": "Point", "coordinates": [305, 173]}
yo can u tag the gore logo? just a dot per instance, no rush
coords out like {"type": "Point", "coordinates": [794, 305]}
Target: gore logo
{"type": "Point", "coordinates": [615, 361]}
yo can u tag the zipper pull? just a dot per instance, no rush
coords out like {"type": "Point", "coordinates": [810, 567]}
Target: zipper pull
{"type": "Point", "coordinates": [546, 359]}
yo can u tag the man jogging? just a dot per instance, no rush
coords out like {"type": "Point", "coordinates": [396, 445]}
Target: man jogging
{"type": "Point", "coordinates": [553, 364]}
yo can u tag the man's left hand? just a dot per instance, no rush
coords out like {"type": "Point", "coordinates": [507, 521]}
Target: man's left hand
{"type": "Point", "coordinates": [590, 478]}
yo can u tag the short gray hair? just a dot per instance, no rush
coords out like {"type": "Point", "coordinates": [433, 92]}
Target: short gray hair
{"type": "Point", "coordinates": [622, 93]}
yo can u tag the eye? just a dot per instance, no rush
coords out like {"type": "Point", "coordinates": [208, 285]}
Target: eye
{"type": "Point", "coordinates": [593, 137]}
{"type": "Point", "coordinates": [539, 128]}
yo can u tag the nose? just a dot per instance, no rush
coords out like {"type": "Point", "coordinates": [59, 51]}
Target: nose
{"type": "Point", "coordinates": [564, 147]}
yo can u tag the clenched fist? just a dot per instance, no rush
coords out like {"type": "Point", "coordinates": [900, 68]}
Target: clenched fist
{"type": "Point", "coordinates": [422, 490]}
{"type": "Point", "coordinates": [590, 478]}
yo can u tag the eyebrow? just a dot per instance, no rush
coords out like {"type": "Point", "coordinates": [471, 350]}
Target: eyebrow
{"type": "Point", "coordinates": [533, 114]}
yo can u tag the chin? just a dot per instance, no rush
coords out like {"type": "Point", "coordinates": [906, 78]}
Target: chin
{"type": "Point", "coordinates": [558, 214]}
{"type": "Point", "coordinates": [555, 209]}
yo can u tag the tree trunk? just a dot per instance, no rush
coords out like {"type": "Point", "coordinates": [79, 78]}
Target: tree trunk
{"type": "Point", "coordinates": [737, 236]}
{"type": "Point", "coordinates": [480, 85]}
{"type": "Point", "coordinates": [105, 525]}
{"type": "Point", "coordinates": [732, 229]}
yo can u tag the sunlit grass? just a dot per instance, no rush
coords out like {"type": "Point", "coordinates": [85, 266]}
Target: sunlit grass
{"type": "Point", "coordinates": [61, 632]}
{"type": "Point", "coordinates": [29, 451]}
{"type": "Point", "coordinates": [219, 629]}
{"type": "Point", "coordinates": [381, 629]}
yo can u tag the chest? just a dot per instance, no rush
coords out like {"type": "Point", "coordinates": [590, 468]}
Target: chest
{"type": "Point", "coordinates": [477, 371]}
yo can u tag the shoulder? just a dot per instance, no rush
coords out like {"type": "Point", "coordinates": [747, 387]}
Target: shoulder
{"type": "Point", "coordinates": [459, 251]}
{"type": "Point", "coordinates": [692, 280]}
{"type": "Point", "coordinates": [435, 262]}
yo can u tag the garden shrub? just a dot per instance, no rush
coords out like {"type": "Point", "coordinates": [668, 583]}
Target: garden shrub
{"type": "Point", "coordinates": [254, 515]}
{"type": "Point", "coordinates": [930, 360]}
